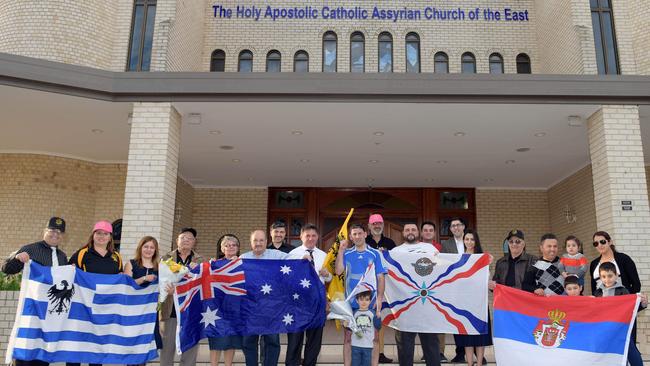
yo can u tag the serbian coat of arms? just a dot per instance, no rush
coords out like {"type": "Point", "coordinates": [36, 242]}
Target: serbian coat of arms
{"type": "Point", "coordinates": [549, 333]}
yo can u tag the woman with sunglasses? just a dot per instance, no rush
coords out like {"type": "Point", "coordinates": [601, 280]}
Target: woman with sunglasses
{"type": "Point", "coordinates": [624, 264]}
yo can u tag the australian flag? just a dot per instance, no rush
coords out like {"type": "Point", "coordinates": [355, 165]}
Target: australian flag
{"type": "Point", "coordinates": [248, 297]}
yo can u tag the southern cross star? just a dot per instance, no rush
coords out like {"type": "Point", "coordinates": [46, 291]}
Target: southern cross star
{"type": "Point", "coordinates": [266, 289]}
{"type": "Point", "coordinates": [423, 292]}
{"type": "Point", "coordinates": [288, 319]}
{"type": "Point", "coordinates": [305, 283]}
{"type": "Point", "coordinates": [285, 270]}
{"type": "Point", "coordinates": [296, 296]}
{"type": "Point", "coordinates": [209, 317]}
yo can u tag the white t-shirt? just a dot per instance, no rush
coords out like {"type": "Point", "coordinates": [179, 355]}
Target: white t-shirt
{"type": "Point", "coordinates": [420, 247]}
{"type": "Point", "coordinates": [366, 334]}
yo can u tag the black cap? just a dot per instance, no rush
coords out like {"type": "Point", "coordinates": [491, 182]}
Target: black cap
{"type": "Point", "coordinates": [188, 230]}
{"type": "Point", "coordinates": [515, 232]}
{"type": "Point", "coordinates": [56, 223]}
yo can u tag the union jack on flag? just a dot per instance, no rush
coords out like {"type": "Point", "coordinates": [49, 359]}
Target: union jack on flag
{"type": "Point", "coordinates": [436, 293]}
{"type": "Point", "coordinates": [228, 279]}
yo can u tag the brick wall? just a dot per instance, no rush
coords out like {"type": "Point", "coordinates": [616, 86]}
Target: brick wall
{"type": "Point", "coordinates": [218, 211]}
{"type": "Point", "coordinates": [183, 213]}
{"type": "Point", "coordinates": [8, 305]}
{"type": "Point", "coordinates": [500, 210]}
{"type": "Point", "coordinates": [186, 37]}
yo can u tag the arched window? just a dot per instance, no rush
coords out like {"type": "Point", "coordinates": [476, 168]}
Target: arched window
{"type": "Point", "coordinates": [385, 58]}
{"type": "Point", "coordinates": [523, 64]}
{"type": "Point", "coordinates": [245, 61]}
{"type": "Point", "coordinates": [602, 21]}
{"type": "Point", "coordinates": [218, 61]}
{"type": "Point", "coordinates": [357, 52]}
{"type": "Point", "coordinates": [468, 63]}
{"type": "Point", "coordinates": [273, 61]}
{"type": "Point", "coordinates": [301, 62]}
{"type": "Point", "coordinates": [441, 63]}
{"type": "Point", "coordinates": [496, 64]}
{"type": "Point", "coordinates": [412, 52]}
{"type": "Point", "coordinates": [329, 52]}
{"type": "Point", "coordinates": [141, 40]}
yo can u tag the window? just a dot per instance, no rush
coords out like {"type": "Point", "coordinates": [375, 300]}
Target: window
{"type": "Point", "coordinates": [301, 62]}
{"type": "Point", "coordinates": [385, 52]}
{"type": "Point", "coordinates": [329, 52]}
{"type": "Point", "coordinates": [602, 20]}
{"type": "Point", "coordinates": [412, 52]}
{"type": "Point", "coordinates": [218, 61]}
{"type": "Point", "coordinates": [357, 52]}
{"type": "Point", "coordinates": [468, 63]}
{"type": "Point", "coordinates": [273, 61]}
{"type": "Point", "coordinates": [496, 64]}
{"type": "Point", "coordinates": [441, 63]}
{"type": "Point", "coordinates": [144, 14]}
{"type": "Point", "coordinates": [523, 64]}
{"type": "Point", "coordinates": [245, 61]}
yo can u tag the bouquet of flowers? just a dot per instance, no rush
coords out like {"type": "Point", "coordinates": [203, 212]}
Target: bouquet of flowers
{"type": "Point", "coordinates": [169, 272]}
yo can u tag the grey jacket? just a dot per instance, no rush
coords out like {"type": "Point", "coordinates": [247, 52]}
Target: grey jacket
{"type": "Point", "coordinates": [449, 246]}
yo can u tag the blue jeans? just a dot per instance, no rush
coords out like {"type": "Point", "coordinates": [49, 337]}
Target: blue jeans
{"type": "Point", "coordinates": [361, 356]}
{"type": "Point", "coordinates": [633, 355]}
{"type": "Point", "coordinates": [270, 351]}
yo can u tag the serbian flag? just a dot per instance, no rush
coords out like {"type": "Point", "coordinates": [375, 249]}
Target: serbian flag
{"type": "Point", "coordinates": [561, 330]}
{"type": "Point", "coordinates": [427, 292]}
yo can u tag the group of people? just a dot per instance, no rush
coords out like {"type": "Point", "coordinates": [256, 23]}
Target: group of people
{"type": "Point", "coordinates": [612, 273]}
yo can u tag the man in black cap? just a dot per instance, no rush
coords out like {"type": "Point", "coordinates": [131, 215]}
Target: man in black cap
{"type": "Point", "coordinates": [44, 252]}
{"type": "Point", "coordinates": [515, 268]}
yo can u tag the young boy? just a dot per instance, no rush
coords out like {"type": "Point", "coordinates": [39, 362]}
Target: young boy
{"type": "Point", "coordinates": [572, 286]}
{"type": "Point", "coordinates": [610, 285]}
{"type": "Point", "coordinates": [363, 340]}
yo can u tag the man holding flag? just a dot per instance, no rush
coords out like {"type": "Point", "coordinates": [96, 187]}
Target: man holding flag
{"type": "Point", "coordinates": [354, 262]}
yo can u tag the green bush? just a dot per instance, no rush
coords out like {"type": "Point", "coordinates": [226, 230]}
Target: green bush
{"type": "Point", "coordinates": [10, 282]}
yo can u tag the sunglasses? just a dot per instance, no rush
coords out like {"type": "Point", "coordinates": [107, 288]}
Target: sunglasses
{"type": "Point", "coordinates": [516, 241]}
{"type": "Point", "coordinates": [601, 242]}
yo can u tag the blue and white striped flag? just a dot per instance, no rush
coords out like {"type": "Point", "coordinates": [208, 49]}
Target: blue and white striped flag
{"type": "Point", "coordinates": [67, 315]}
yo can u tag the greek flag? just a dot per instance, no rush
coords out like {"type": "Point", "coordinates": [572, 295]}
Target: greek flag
{"type": "Point", "coordinates": [67, 315]}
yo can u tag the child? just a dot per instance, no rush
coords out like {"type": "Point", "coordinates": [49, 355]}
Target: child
{"type": "Point", "coordinates": [610, 285]}
{"type": "Point", "coordinates": [363, 339]}
{"type": "Point", "coordinates": [572, 286]}
{"type": "Point", "coordinates": [573, 262]}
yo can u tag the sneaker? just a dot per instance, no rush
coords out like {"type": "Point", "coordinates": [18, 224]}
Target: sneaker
{"type": "Point", "coordinates": [384, 359]}
{"type": "Point", "coordinates": [458, 359]}
{"type": "Point", "coordinates": [443, 359]}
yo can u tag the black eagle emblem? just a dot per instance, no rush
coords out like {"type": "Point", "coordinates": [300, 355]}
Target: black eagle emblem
{"type": "Point", "coordinates": [60, 297]}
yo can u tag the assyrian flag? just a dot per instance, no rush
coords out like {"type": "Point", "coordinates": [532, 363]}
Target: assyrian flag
{"type": "Point", "coordinates": [436, 293]}
{"type": "Point", "coordinates": [67, 315]}
{"type": "Point", "coordinates": [534, 330]}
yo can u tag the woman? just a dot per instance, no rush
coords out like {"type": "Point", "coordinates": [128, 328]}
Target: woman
{"type": "Point", "coordinates": [229, 245]}
{"type": "Point", "coordinates": [144, 270]}
{"type": "Point", "coordinates": [98, 255]}
{"type": "Point", "coordinates": [474, 344]}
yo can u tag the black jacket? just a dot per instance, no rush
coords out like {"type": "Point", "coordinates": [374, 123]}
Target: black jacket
{"type": "Point", "coordinates": [629, 275]}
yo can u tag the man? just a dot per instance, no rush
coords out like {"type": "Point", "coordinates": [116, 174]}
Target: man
{"type": "Point", "coordinates": [513, 269]}
{"type": "Point", "coordinates": [406, 340]}
{"type": "Point", "coordinates": [548, 274]}
{"type": "Point", "coordinates": [185, 255]}
{"type": "Point", "coordinates": [308, 250]}
{"type": "Point", "coordinates": [428, 234]}
{"type": "Point", "coordinates": [377, 240]}
{"type": "Point", "coordinates": [455, 245]}
{"type": "Point", "coordinates": [270, 351]}
{"type": "Point", "coordinates": [45, 253]}
{"type": "Point", "coordinates": [354, 262]}
{"type": "Point", "coordinates": [278, 232]}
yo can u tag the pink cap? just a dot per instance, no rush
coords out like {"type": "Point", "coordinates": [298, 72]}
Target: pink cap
{"type": "Point", "coordinates": [103, 225]}
{"type": "Point", "coordinates": [375, 218]}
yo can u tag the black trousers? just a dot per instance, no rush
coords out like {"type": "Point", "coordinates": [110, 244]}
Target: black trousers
{"type": "Point", "coordinates": [30, 363]}
{"type": "Point", "coordinates": [312, 347]}
{"type": "Point", "coordinates": [406, 347]}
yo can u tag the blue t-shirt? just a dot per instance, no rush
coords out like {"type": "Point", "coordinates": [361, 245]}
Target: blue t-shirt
{"type": "Point", "coordinates": [356, 264]}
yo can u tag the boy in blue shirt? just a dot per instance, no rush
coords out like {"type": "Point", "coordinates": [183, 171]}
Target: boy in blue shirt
{"type": "Point", "coordinates": [354, 262]}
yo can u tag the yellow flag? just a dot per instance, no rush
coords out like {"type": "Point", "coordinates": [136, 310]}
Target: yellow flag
{"type": "Point", "coordinates": [336, 287]}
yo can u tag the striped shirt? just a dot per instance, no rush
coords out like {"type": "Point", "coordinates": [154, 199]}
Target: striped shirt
{"type": "Point", "coordinates": [40, 252]}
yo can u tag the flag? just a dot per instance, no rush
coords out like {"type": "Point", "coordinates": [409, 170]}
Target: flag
{"type": "Point", "coordinates": [342, 309]}
{"type": "Point", "coordinates": [67, 315]}
{"type": "Point", "coordinates": [336, 287]}
{"type": "Point", "coordinates": [248, 297]}
{"type": "Point", "coordinates": [562, 330]}
{"type": "Point", "coordinates": [442, 293]}
{"type": "Point", "coordinates": [367, 282]}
